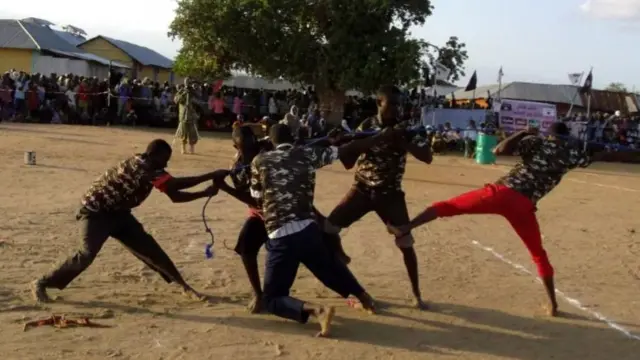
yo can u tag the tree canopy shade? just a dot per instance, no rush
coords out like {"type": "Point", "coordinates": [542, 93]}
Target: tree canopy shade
{"type": "Point", "coordinates": [334, 45]}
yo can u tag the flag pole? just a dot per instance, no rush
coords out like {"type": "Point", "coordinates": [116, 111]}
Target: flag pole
{"type": "Point", "coordinates": [500, 73]}
{"type": "Point", "coordinates": [586, 138]}
{"type": "Point", "coordinates": [473, 104]}
{"type": "Point", "coordinates": [434, 93]}
{"type": "Point", "coordinates": [433, 96]}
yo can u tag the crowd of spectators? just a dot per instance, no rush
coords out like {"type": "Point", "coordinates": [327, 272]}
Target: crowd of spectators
{"type": "Point", "coordinates": [71, 99]}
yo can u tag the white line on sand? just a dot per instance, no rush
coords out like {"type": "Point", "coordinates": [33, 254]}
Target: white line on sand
{"type": "Point", "coordinates": [605, 185]}
{"type": "Point", "coordinates": [574, 302]}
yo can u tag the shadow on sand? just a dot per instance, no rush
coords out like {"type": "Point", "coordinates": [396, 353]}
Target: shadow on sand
{"type": "Point", "coordinates": [485, 332]}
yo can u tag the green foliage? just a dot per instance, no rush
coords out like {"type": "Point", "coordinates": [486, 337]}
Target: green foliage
{"type": "Point", "coordinates": [452, 55]}
{"type": "Point", "coordinates": [332, 44]}
{"type": "Point", "coordinates": [616, 86]}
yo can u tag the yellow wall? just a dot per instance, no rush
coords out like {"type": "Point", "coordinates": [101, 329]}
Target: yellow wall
{"type": "Point", "coordinates": [157, 74]}
{"type": "Point", "coordinates": [103, 48]}
{"type": "Point", "coordinates": [19, 59]}
{"type": "Point", "coordinates": [164, 75]}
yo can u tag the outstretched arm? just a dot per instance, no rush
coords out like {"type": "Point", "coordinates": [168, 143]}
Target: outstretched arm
{"type": "Point", "coordinates": [240, 195]}
{"type": "Point", "coordinates": [172, 187]}
{"type": "Point", "coordinates": [508, 145]}
{"type": "Point", "coordinates": [349, 152]}
{"type": "Point", "coordinates": [181, 183]}
{"type": "Point", "coordinates": [178, 196]}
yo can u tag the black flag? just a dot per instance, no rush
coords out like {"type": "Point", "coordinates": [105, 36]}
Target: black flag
{"type": "Point", "coordinates": [588, 83]}
{"type": "Point", "coordinates": [426, 76]}
{"type": "Point", "coordinates": [473, 82]}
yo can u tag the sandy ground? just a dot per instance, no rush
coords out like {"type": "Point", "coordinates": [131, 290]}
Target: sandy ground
{"type": "Point", "coordinates": [484, 308]}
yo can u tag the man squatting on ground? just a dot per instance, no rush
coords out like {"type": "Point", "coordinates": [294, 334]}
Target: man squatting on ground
{"type": "Point", "coordinates": [515, 195]}
{"type": "Point", "coordinates": [253, 233]}
{"type": "Point", "coordinates": [378, 181]}
{"type": "Point", "coordinates": [106, 211]}
{"type": "Point", "coordinates": [283, 183]}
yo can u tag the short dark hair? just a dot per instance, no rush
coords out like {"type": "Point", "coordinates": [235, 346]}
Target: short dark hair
{"type": "Point", "coordinates": [158, 146]}
{"type": "Point", "coordinates": [559, 129]}
{"type": "Point", "coordinates": [281, 134]}
{"type": "Point", "coordinates": [242, 132]}
{"type": "Point", "coordinates": [388, 90]}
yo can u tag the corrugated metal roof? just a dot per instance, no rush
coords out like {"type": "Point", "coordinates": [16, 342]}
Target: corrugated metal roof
{"type": "Point", "coordinates": [141, 54]}
{"type": "Point", "coordinates": [528, 91]}
{"type": "Point", "coordinates": [90, 57]}
{"type": "Point", "coordinates": [18, 34]}
{"type": "Point", "coordinates": [38, 21]}
{"type": "Point", "coordinates": [12, 35]}
{"type": "Point", "coordinates": [608, 101]}
{"type": "Point", "coordinates": [47, 39]}
{"type": "Point", "coordinates": [72, 39]}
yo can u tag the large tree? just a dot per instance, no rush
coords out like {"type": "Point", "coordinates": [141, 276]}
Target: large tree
{"type": "Point", "coordinates": [617, 87]}
{"type": "Point", "coordinates": [334, 45]}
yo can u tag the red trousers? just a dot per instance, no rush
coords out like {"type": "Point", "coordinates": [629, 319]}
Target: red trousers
{"type": "Point", "coordinates": [515, 207]}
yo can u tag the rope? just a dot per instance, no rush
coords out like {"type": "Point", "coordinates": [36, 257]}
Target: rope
{"type": "Point", "coordinates": [209, 247]}
{"type": "Point", "coordinates": [208, 250]}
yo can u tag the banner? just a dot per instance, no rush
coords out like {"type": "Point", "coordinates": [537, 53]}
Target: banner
{"type": "Point", "coordinates": [442, 72]}
{"type": "Point", "coordinates": [517, 115]}
{"type": "Point", "coordinates": [575, 78]}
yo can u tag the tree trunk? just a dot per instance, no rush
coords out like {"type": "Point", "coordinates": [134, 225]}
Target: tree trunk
{"type": "Point", "coordinates": [332, 103]}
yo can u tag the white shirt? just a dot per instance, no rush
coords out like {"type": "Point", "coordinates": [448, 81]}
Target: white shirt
{"type": "Point", "coordinates": [273, 107]}
{"type": "Point", "coordinates": [20, 89]}
{"type": "Point", "coordinates": [471, 134]}
{"type": "Point", "coordinates": [71, 97]}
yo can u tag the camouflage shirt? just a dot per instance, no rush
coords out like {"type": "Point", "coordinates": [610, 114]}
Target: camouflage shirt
{"type": "Point", "coordinates": [544, 163]}
{"type": "Point", "coordinates": [382, 167]}
{"type": "Point", "coordinates": [124, 186]}
{"type": "Point", "coordinates": [283, 182]}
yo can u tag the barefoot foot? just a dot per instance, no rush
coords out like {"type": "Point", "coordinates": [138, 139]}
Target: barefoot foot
{"type": "Point", "coordinates": [551, 310]}
{"type": "Point", "coordinates": [39, 292]}
{"type": "Point", "coordinates": [420, 304]}
{"type": "Point", "coordinates": [366, 303]}
{"type": "Point", "coordinates": [325, 316]}
{"type": "Point", "coordinates": [194, 295]}
{"type": "Point", "coordinates": [255, 306]}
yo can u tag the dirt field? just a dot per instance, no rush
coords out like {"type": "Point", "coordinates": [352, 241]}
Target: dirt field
{"type": "Point", "coordinates": [483, 307]}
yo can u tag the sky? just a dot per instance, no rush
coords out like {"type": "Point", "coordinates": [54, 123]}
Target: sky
{"type": "Point", "coordinates": [533, 40]}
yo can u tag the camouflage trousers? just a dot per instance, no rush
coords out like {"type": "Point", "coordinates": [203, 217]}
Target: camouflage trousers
{"type": "Point", "coordinates": [95, 229]}
{"type": "Point", "coordinates": [187, 132]}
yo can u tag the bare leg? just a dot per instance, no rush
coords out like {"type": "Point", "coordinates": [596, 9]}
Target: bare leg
{"type": "Point", "coordinates": [552, 307]}
{"type": "Point", "coordinates": [250, 263]}
{"type": "Point", "coordinates": [411, 263]}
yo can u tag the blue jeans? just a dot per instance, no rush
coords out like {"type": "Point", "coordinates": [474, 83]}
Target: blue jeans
{"type": "Point", "coordinates": [283, 259]}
